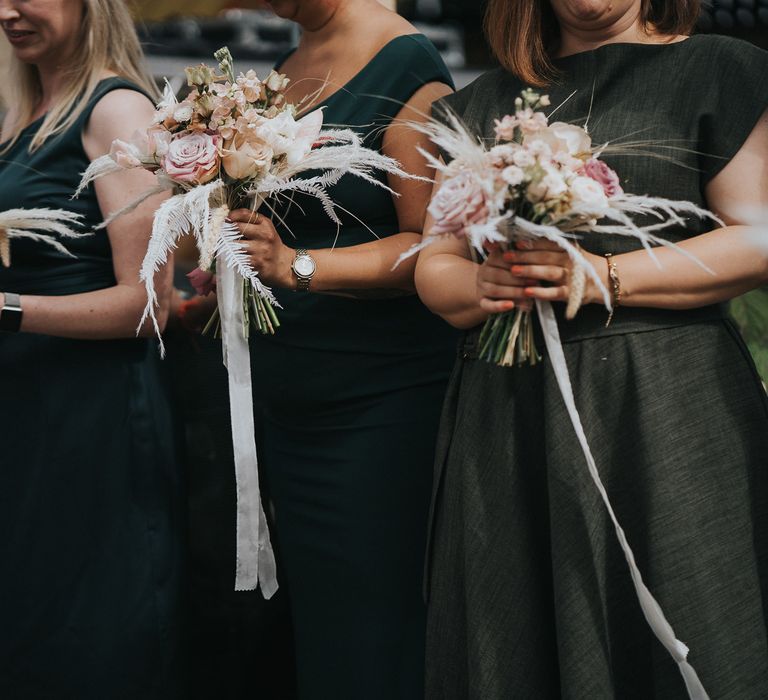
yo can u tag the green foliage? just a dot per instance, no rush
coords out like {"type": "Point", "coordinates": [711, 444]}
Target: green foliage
{"type": "Point", "coordinates": [751, 313]}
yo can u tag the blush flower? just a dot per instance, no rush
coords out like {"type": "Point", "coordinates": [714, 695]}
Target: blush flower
{"type": "Point", "coordinates": [459, 203]}
{"type": "Point", "coordinates": [243, 160]}
{"type": "Point", "coordinates": [193, 158]}
{"type": "Point", "coordinates": [252, 88]}
{"type": "Point", "coordinates": [605, 176]}
{"type": "Point", "coordinates": [126, 155]}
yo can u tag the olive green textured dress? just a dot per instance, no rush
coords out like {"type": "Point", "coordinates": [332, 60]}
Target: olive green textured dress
{"type": "Point", "coordinates": [530, 595]}
{"type": "Point", "coordinates": [353, 390]}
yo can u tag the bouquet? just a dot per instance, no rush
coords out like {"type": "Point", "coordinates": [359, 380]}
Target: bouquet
{"type": "Point", "coordinates": [232, 141]}
{"type": "Point", "coordinates": [539, 180]}
{"type": "Point", "coordinates": [28, 223]}
{"type": "Point", "coordinates": [546, 180]}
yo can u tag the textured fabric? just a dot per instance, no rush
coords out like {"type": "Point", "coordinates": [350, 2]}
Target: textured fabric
{"type": "Point", "coordinates": [352, 391]}
{"type": "Point", "coordinates": [530, 596]}
{"type": "Point", "coordinates": [89, 492]}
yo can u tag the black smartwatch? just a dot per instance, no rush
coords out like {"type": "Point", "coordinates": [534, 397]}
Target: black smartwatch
{"type": "Point", "coordinates": [11, 313]}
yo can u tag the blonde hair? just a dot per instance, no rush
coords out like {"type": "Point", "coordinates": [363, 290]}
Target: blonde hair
{"type": "Point", "coordinates": [108, 43]}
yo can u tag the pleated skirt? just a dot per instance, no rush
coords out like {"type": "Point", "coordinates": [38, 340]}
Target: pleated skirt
{"type": "Point", "coordinates": [529, 592]}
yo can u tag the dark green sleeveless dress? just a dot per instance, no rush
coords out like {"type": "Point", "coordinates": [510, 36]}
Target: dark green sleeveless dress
{"type": "Point", "coordinates": [89, 528]}
{"type": "Point", "coordinates": [530, 595]}
{"type": "Point", "coordinates": [353, 390]}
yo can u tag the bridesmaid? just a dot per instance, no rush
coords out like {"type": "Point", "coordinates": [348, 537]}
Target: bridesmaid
{"type": "Point", "coordinates": [530, 595]}
{"type": "Point", "coordinates": [89, 550]}
{"type": "Point", "coordinates": [354, 378]}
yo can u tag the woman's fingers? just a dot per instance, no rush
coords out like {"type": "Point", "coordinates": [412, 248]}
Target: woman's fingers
{"type": "Point", "coordinates": [245, 216]}
{"type": "Point", "coordinates": [547, 293]}
{"type": "Point", "coordinates": [495, 306]}
{"type": "Point", "coordinates": [500, 291]}
{"type": "Point", "coordinates": [545, 273]}
{"type": "Point", "coordinates": [498, 306]}
{"type": "Point", "coordinates": [263, 231]}
{"type": "Point", "coordinates": [536, 257]}
{"type": "Point", "coordinates": [496, 259]}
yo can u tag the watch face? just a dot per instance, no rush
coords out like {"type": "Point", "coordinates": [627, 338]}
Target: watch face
{"type": "Point", "coordinates": [304, 266]}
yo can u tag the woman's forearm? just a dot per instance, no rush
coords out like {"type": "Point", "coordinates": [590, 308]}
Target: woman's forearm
{"type": "Point", "coordinates": [737, 255]}
{"type": "Point", "coordinates": [109, 313]}
{"type": "Point", "coordinates": [367, 269]}
{"type": "Point", "coordinates": [447, 284]}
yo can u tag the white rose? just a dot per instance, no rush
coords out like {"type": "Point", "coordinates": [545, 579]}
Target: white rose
{"type": "Point", "coordinates": [588, 196]}
{"type": "Point", "coordinates": [279, 132]}
{"type": "Point", "coordinates": [573, 139]}
{"type": "Point", "coordinates": [561, 138]}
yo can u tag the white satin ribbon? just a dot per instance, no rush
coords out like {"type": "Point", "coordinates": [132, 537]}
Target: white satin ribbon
{"type": "Point", "coordinates": [255, 558]}
{"type": "Point", "coordinates": [651, 609]}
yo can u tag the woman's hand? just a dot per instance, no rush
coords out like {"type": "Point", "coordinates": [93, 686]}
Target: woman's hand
{"type": "Point", "coordinates": [268, 255]}
{"type": "Point", "coordinates": [498, 288]}
{"type": "Point", "coordinates": [544, 261]}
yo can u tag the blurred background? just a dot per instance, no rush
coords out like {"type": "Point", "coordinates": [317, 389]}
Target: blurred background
{"type": "Point", "coordinates": [175, 31]}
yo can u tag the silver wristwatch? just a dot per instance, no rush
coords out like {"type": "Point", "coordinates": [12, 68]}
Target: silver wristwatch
{"type": "Point", "coordinates": [303, 267]}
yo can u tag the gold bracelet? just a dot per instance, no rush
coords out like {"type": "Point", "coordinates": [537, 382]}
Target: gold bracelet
{"type": "Point", "coordinates": [613, 276]}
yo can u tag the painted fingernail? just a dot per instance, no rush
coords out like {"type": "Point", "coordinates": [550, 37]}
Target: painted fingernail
{"type": "Point", "coordinates": [524, 245]}
{"type": "Point", "coordinates": [507, 305]}
{"type": "Point", "coordinates": [517, 269]}
{"type": "Point", "coordinates": [510, 255]}
{"type": "Point", "coordinates": [529, 291]}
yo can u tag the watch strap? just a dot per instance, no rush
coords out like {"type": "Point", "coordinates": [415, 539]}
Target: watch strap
{"type": "Point", "coordinates": [11, 313]}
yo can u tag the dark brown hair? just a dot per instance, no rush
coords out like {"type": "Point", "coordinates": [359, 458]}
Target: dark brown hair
{"type": "Point", "coordinates": [523, 33]}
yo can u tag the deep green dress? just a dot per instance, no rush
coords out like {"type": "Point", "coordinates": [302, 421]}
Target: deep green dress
{"type": "Point", "coordinates": [89, 529]}
{"type": "Point", "coordinates": [530, 595]}
{"type": "Point", "coordinates": [353, 390]}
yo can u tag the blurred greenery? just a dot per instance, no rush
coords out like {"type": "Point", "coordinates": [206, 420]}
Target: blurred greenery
{"type": "Point", "coordinates": [751, 313]}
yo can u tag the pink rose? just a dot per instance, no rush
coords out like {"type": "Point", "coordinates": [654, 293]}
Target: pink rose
{"type": "Point", "coordinates": [459, 203]}
{"type": "Point", "coordinates": [193, 157]}
{"type": "Point", "coordinates": [602, 174]}
{"type": "Point", "coordinates": [203, 282]}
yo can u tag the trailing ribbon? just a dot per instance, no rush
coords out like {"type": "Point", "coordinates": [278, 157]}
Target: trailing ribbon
{"type": "Point", "coordinates": [651, 610]}
{"type": "Point", "coordinates": [255, 559]}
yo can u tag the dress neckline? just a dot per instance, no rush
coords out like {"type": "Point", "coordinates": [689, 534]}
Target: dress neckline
{"type": "Point", "coordinates": [624, 45]}
{"type": "Point", "coordinates": [345, 88]}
